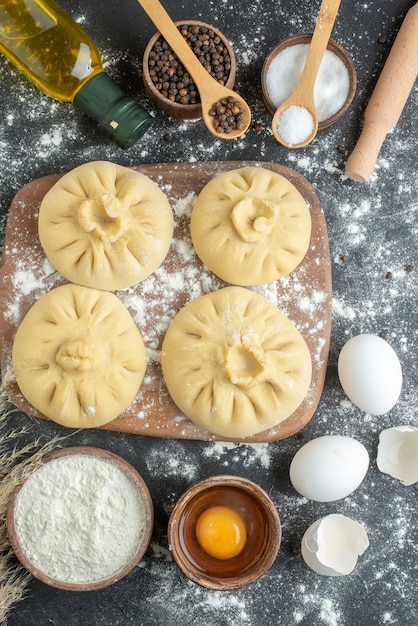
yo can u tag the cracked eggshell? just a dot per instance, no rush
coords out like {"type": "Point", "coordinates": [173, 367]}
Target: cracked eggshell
{"type": "Point", "coordinates": [329, 468]}
{"type": "Point", "coordinates": [397, 453]}
{"type": "Point", "coordinates": [370, 373]}
{"type": "Point", "coordinates": [331, 545]}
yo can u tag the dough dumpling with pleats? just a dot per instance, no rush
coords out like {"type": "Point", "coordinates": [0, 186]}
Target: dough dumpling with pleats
{"type": "Point", "coordinates": [234, 363]}
{"type": "Point", "coordinates": [250, 226]}
{"type": "Point", "coordinates": [105, 226]}
{"type": "Point", "coordinates": [78, 357]}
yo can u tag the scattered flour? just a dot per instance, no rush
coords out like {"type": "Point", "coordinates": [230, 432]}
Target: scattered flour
{"type": "Point", "coordinates": [343, 310]}
{"type": "Point", "coordinates": [248, 454]}
{"type": "Point", "coordinates": [352, 212]}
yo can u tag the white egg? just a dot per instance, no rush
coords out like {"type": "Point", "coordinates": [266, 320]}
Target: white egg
{"type": "Point", "coordinates": [332, 545]}
{"type": "Point", "coordinates": [370, 373]}
{"type": "Point", "coordinates": [329, 468]}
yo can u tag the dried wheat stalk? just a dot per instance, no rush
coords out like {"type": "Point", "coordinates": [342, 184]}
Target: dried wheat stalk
{"type": "Point", "coordinates": [16, 463]}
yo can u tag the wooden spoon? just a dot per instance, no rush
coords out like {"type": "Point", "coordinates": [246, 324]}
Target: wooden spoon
{"type": "Point", "coordinates": [210, 91]}
{"type": "Point", "coordinates": [295, 121]}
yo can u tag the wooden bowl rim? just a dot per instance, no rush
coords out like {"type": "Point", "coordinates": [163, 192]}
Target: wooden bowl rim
{"type": "Point", "coordinates": [182, 111]}
{"type": "Point", "coordinates": [334, 47]}
{"type": "Point", "coordinates": [143, 490]}
{"type": "Point", "coordinates": [263, 564]}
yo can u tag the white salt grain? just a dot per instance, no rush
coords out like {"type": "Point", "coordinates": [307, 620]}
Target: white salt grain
{"type": "Point", "coordinates": [295, 125]}
{"type": "Point", "coordinates": [331, 86]}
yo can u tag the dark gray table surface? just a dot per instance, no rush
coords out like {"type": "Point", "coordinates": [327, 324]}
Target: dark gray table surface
{"type": "Point", "coordinates": [372, 229]}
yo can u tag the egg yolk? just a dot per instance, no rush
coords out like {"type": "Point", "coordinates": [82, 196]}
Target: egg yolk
{"type": "Point", "coordinates": [221, 532]}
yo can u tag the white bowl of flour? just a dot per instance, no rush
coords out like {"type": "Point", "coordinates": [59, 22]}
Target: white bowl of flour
{"type": "Point", "coordinates": [82, 520]}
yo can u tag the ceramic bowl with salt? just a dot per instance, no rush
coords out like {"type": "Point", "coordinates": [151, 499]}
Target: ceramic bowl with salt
{"type": "Point", "coordinates": [335, 84]}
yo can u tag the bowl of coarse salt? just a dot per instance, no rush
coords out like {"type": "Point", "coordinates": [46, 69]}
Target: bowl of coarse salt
{"type": "Point", "coordinates": [335, 85]}
{"type": "Point", "coordinates": [82, 520]}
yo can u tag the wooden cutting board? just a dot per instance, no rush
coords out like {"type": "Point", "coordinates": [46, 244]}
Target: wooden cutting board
{"type": "Point", "coordinates": [304, 295]}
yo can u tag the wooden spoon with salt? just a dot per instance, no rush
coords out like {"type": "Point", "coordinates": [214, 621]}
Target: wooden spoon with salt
{"type": "Point", "coordinates": [295, 121]}
{"type": "Point", "coordinates": [211, 92]}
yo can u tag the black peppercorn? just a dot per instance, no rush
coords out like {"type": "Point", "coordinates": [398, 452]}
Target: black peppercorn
{"type": "Point", "coordinates": [171, 78]}
{"type": "Point", "coordinates": [227, 115]}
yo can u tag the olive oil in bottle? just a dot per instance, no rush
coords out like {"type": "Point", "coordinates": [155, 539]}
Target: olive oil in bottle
{"type": "Point", "coordinates": [59, 57]}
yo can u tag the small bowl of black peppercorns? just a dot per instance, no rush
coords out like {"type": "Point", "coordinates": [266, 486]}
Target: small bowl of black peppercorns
{"type": "Point", "coordinates": [168, 83]}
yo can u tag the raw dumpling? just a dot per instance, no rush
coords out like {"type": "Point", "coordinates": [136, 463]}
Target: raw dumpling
{"type": "Point", "coordinates": [105, 226]}
{"type": "Point", "coordinates": [234, 363]}
{"type": "Point", "coordinates": [250, 226]}
{"type": "Point", "coordinates": [78, 356]}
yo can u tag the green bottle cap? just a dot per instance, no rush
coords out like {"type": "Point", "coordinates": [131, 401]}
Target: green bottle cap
{"type": "Point", "coordinates": [120, 116]}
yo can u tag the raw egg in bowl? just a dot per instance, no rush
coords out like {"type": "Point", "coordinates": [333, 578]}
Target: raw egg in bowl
{"type": "Point", "coordinates": [224, 532]}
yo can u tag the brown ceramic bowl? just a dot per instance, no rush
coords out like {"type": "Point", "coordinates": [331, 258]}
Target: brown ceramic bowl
{"type": "Point", "coordinates": [176, 109]}
{"type": "Point", "coordinates": [263, 533]}
{"type": "Point", "coordinates": [334, 47]}
{"type": "Point", "coordinates": [139, 544]}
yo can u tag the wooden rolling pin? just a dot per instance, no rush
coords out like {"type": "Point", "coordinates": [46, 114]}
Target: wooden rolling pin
{"type": "Point", "coordinates": [388, 98]}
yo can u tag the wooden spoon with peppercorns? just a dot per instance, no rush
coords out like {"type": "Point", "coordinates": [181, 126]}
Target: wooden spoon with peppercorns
{"type": "Point", "coordinates": [224, 112]}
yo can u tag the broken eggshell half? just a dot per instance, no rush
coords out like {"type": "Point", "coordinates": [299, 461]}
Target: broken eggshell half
{"type": "Point", "coordinates": [332, 545]}
{"type": "Point", "coordinates": [397, 453]}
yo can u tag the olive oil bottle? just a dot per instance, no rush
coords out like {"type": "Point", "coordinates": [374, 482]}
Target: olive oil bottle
{"type": "Point", "coordinates": [58, 56]}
